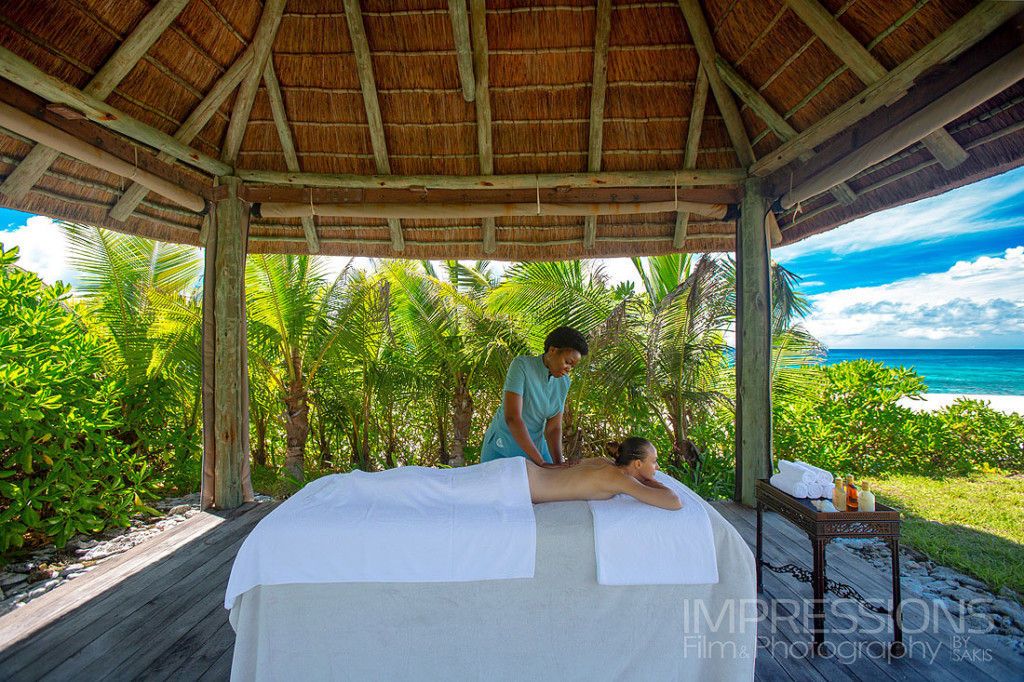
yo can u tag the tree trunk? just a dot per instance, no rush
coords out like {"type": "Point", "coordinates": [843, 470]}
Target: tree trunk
{"type": "Point", "coordinates": [296, 424]}
{"type": "Point", "coordinates": [463, 404]}
{"type": "Point", "coordinates": [572, 436]}
{"type": "Point", "coordinates": [260, 453]}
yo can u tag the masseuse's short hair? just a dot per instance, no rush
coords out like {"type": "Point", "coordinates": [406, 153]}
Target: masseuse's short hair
{"type": "Point", "coordinates": [566, 337]}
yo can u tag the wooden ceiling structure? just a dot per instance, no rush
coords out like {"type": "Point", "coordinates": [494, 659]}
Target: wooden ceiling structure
{"type": "Point", "coordinates": [611, 128]}
{"type": "Point", "coordinates": [497, 129]}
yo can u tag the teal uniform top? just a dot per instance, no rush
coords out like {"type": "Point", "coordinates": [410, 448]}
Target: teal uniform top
{"type": "Point", "coordinates": [543, 398]}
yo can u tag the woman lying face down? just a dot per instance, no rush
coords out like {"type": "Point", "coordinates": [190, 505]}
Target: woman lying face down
{"type": "Point", "coordinates": [631, 473]}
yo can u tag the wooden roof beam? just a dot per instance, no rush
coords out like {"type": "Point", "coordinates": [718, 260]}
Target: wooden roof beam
{"type": "Point", "coordinates": [659, 178]}
{"type": "Point", "coordinates": [424, 211]}
{"type": "Point", "coordinates": [970, 29]}
{"type": "Point", "coordinates": [979, 88]}
{"type": "Point", "coordinates": [124, 59]}
{"type": "Point", "coordinates": [749, 95]}
{"type": "Point", "coordinates": [463, 47]}
{"type": "Point", "coordinates": [23, 124]}
{"type": "Point", "coordinates": [693, 131]}
{"type": "Point", "coordinates": [196, 121]}
{"type": "Point", "coordinates": [361, 48]}
{"type": "Point", "coordinates": [701, 34]}
{"type": "Point", "coordinates": [35, 80]}
{"type": "Point", "coordinates": [284, 133]}
{"type": "Point", "coordinates": [597, 93]}
{"type": "Point", "coordinates": [828, 29]}
{"type": "Point", "coordinates": [262, 43]}
{"type": "Point", "coordinates": [481, 68]}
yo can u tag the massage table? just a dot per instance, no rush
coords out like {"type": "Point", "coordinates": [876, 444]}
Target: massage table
{"type": "Point", "coordinates": [558, 625]}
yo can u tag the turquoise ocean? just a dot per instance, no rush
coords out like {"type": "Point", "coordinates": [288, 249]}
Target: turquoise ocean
{"type": "Point", "coordinates": [994, 372]}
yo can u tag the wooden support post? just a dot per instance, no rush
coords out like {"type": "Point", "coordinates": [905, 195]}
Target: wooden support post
{"type": "Point", "coordinates": [225, 476]}
{"type": "Point", "coordinates": [463, 48]}
{"type": "Point", "coordinates": [753, 346]}
{"type": "Point", "coordinates": [32, 167]}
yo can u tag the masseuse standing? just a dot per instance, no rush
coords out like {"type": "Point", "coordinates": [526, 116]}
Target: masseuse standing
{"type": "Point", "coordinates": [529, 421]}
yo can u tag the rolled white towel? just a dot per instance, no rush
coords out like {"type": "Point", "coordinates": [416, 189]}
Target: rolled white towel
{"type": "Point", "coordinates": [794, 470]}
{"type": "Point", "coordinates": [786, 484]}
{"type": "Point", "coordinates": [820, 475]}
{"type": "Point", "coordinates": [827, 490]}
{"type": "Point", "coordinates": [815, 491]}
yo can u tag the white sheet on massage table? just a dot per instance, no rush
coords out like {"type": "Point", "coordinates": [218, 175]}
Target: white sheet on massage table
{"type": "Point", "coordinates": [558, 625]}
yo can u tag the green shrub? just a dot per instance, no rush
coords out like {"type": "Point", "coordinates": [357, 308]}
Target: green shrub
{"type": "Point", "coordinates": [62, 470]}
{"type": "Point", "coordinates": [857, 427]}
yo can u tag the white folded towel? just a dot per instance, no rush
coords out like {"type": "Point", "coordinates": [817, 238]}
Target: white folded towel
{"type": "Point", "coordinates": [790, 485]}
{"type": "Point", "coordinates": [794, 470]}
{"type": "Point", "coordinates": [409, 524]}
{"type": "Point", "coordinates": [820, 475]}
{"type": "Point", "coordinates": [815, 491]}
{"type": "Point", "coordinates": [639, 544]}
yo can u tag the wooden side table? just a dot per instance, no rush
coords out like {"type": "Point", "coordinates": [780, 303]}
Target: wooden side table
{"type": "Point", "coordinates": [822, 528]}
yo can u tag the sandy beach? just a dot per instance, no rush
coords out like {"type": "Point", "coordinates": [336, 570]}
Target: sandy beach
{"type": "Point", "coordinates": [934, 401]}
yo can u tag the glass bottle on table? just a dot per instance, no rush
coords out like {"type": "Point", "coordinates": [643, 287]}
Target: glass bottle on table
{"type": "Point", "coordinates": [851, 494]}
{"type": "Point", "coordinates": [866, 498]}
{"type": "Point", "coordinates": [839, 495]}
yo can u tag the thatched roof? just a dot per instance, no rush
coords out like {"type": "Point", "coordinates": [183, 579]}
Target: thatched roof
{"type": "Point", "coordinates": [347, 92]}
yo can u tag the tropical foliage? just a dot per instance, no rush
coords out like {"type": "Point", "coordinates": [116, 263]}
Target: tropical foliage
{"type": "Point", "coordinates": [404, 363]}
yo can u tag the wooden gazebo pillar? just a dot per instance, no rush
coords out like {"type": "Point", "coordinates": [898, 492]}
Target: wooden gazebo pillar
{"type": "Point", "coordinates": [753, 345]}
{"type": "Point", "coordinates": [225, 476]}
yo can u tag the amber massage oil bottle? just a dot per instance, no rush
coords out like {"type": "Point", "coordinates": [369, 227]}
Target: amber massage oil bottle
{"type": "Point", "coordinates": [851, 494]}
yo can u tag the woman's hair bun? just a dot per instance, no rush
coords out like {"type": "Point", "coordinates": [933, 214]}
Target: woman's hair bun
{"type": "Point", "coordinates": [612, 448]}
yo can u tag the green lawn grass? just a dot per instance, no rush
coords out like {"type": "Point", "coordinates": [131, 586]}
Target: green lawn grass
{"type": "Point", "coordinates": [972, 523]}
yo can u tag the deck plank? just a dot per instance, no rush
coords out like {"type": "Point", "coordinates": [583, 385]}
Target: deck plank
{"type": "Point", "coordinates": [156, 613]}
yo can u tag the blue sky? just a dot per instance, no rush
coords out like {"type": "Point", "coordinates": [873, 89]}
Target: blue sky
{"type": "Point", "coordinates": [944, 272]}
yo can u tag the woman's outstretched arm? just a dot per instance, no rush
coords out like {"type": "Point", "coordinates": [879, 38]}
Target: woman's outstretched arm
{"type": "Point", "coordinates": [652, 493]}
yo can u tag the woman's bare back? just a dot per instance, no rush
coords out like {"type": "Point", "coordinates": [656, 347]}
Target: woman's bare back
{"type": "Point", "coordinates": [593, 479]}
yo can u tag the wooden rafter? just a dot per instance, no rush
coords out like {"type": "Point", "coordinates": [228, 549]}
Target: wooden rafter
{"type": "Point", "coordinates": [463, 47]}
{"type": "Point", "coordinates": [361, 48]}
{"type": "Point", "coordinates": [597, 93]}
{"type": "Point", "coordinates": [262, 43]}
{"type": "Point", "coordinates": [196, 121]}
{"type": "Point", "coordinates": [666, 178]}
{"type": "Point", "coordinates": [696, 125]}
{"type": "Point", "coordinates": [702, 40]}
{"type": "Point", "coordinates": [987, 83]}
{"type": "Point", "coordinates": [749, 95]}
{"type": "Point", "coordinates": [35, 80]}
{"type": "Point", "coordinates": [127, 55]}
{"type": "Point", "coordinates": [19, 122]}
{"type": "Point", "coordinates": [970, 29]}
{"type": "Point", "coordinates": [481, 68]}
{"type": "Point", "coordinates": [284, 133]}
{"type": "Point", "coordinates": [869, 70]}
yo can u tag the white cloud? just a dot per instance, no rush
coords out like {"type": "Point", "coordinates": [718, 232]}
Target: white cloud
{"type": "Point", "coordinates": [42, 249]}
{"type": "Point", "coordinates": [979, 301]}
{"type": "Point", "coordinates": [964, 210]}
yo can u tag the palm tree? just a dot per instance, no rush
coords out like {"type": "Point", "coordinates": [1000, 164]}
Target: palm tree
{"type": "Point", "coordinates": [294, 324]}
{"type": "Point", "coordinates": [453, 340]}
{"type": "Point", "coordinates": [681, 357]}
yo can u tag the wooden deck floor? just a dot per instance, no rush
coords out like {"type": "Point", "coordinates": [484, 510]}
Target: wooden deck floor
{"type": "Point", "coordinates": [156, 613]}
